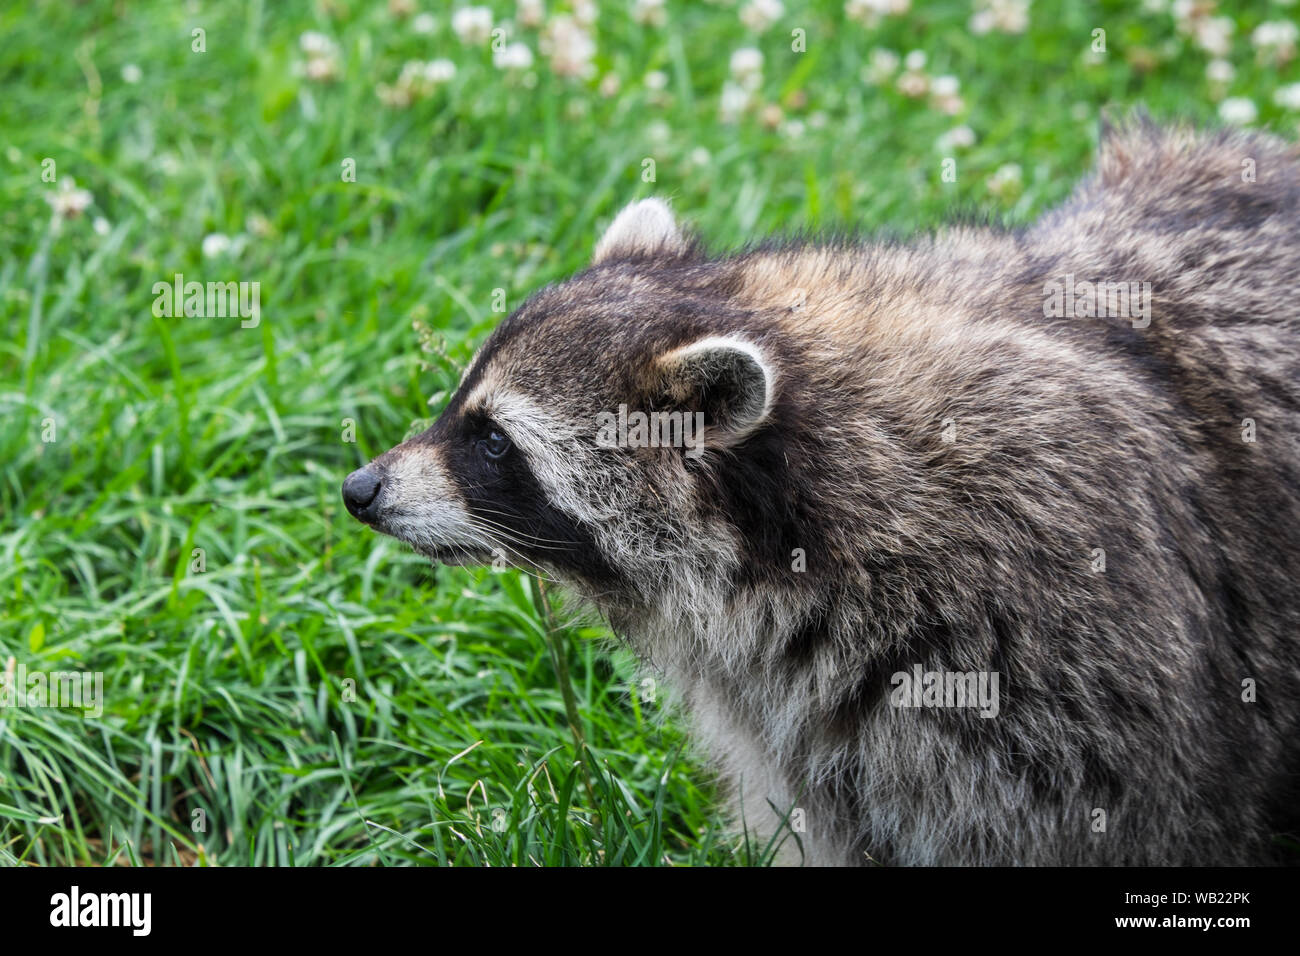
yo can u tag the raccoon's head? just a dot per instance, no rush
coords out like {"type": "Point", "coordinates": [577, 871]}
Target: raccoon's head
{"type": "Point", "coordinates": [550, 455]}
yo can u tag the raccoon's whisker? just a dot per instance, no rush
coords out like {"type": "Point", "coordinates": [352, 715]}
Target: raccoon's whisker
{"type": "Point", "coordinates": [516, 534]}
{"type": "Point", "coordinates": [518, 537]}
{"type": "Point", "coordinates": [492, 542]}
{"type": "Point", "coordinates": [489, 542]}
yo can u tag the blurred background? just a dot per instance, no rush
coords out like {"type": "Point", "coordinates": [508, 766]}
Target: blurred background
{"type": "Point", "coordinates": [382, 181]}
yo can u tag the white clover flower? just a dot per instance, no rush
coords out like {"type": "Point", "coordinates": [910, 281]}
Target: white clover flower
{"type": "Point", "coordinates": [610, 84]}
{"type": "Point", "coordinates": [870, 12]}
{"type": "Point", "coordinates": [472, 24]}
{"type": "Point", "coordinates": [101, 226]}
{"type": "Point", "coordinates": [569, 47]}
{"type": "Point", "coordinates": [68, 201]}
{"type": "Point", "coordinates": [945, 86]}
{"type": "Point", "coordinates": [417, 80]}
{"type": "Point", "coordinates": [1220, 71]}
{"type": "Point", "coordinates": [1238, 110]}
{"type": "Point", "coordinates": [863, 11]}
{"type": "Point", "coordinates": [747, 67]}
{"type": "Point", "coordinates": [959, 137]}
{"type": "Point", "coordinates": [321, 69]}
{"type": "Point", "coordinates": [746, 60]}
{"type": "Point", "coordinates": [396, 95]}
{"type": "Point", "coordinates": [438, 72]}
{"type": "Point", "coordinates": [513, 56]}
{"type": "Point", "coordinates": [733, 103]}
{"type": "Point", "coordinates": [585, 12]}
{"type": "Point", "coordinates": [530, 13]}
{"type": "Point", "coordinates": [1214, 35]}
{"type": "Point", "coordinates": [650, 13]}
{"type": "Point", "coordinates": [215, 245]}
{"type": "Point", "coordinates": [322, 56]}
{"type": "Point", "coordinates": [131, 74]}
{"type": "Point", "coordinates": [699, 156]}
{"type": "Point", "coordinates": [949, 105]}
{"type": "Point", "coordinates": [1275, 41]}
{"type": "Point", "coordinates": [1288, 97]}
{"type": "Point", "coordinates": [424, 24]}
{"type": "Point", "coordinates": [258, 225]}
{"type": "Point", "coordinates": [1012, 16]}
{"type": "Point", "coordinates": [656, 80]}
{"type": "Point", "coordinates": [946, 96]}
{"type": "Point", "coordinates": [316, 44]}
{"type": "Point", "coordinates": [913, 84]}
{"type": "Point", "coordinates": [881, 66]}
{"type": "Point", "coordinates": [915, 60]}
{"type": "Point", "coordinates": [758, 15]}
{"type": "Point", "coordinates": [792, 129]}
{"type": "Point", "coordinates": [1006, 181]}
{"type": "Point", "coordinates": [1275, 33]}
{"type": "Point", "coordinates": [1005, 16]}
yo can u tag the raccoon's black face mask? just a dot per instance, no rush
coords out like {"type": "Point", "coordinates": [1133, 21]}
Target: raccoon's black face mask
{"type": "Point", "coordinates": [574, 433]}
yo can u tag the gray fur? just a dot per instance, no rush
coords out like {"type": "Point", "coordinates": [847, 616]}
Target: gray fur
{"type": "Point", "coordinates": [948, 459]}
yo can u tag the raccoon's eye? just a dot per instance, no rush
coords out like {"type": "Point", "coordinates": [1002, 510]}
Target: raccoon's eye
{"type": "Point", "coordinates": [495, 445]}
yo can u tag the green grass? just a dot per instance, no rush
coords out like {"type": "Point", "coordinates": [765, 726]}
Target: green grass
{"type": "Point", "coordinates": [227, 700]}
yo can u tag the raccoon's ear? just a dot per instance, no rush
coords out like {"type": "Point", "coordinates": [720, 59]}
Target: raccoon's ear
{"type": "Point", "coordinates": [645, 228]}
{"type": "Point", "coordinates": [726, 378]}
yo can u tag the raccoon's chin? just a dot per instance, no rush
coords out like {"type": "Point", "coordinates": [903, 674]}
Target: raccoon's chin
{"type": "Point", "coordinates": [457, 556]}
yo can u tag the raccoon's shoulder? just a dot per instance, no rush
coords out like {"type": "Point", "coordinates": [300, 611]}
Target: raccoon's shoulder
{"type": "Point", "coordinates": [1158, 178]}
{"type": "Point", "coordinates": [841, 294]}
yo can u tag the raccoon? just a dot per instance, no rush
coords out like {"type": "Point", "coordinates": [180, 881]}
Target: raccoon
{"type": "Point", "coordinates": [965, 455]}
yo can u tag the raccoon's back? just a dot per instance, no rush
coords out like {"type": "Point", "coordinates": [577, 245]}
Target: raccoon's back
{"type": "Point", "coordinates": [1210, 219]}
{"type": "Point", "coordinates": [1207, 225]}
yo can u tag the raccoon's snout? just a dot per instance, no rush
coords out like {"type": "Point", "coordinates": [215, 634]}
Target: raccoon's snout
{"type": "Point", "coordinates": [361, 493]}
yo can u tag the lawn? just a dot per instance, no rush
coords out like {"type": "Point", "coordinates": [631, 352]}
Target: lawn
{"type": "Point", "coordinates": [279, 684]}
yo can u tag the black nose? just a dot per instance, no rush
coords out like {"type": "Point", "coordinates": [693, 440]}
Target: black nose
{"type": "Point", "coordinates": [360, 492]}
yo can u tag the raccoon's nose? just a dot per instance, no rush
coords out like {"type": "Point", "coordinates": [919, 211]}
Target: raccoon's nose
{"type": "Point", "coordinates": [360, 492]}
